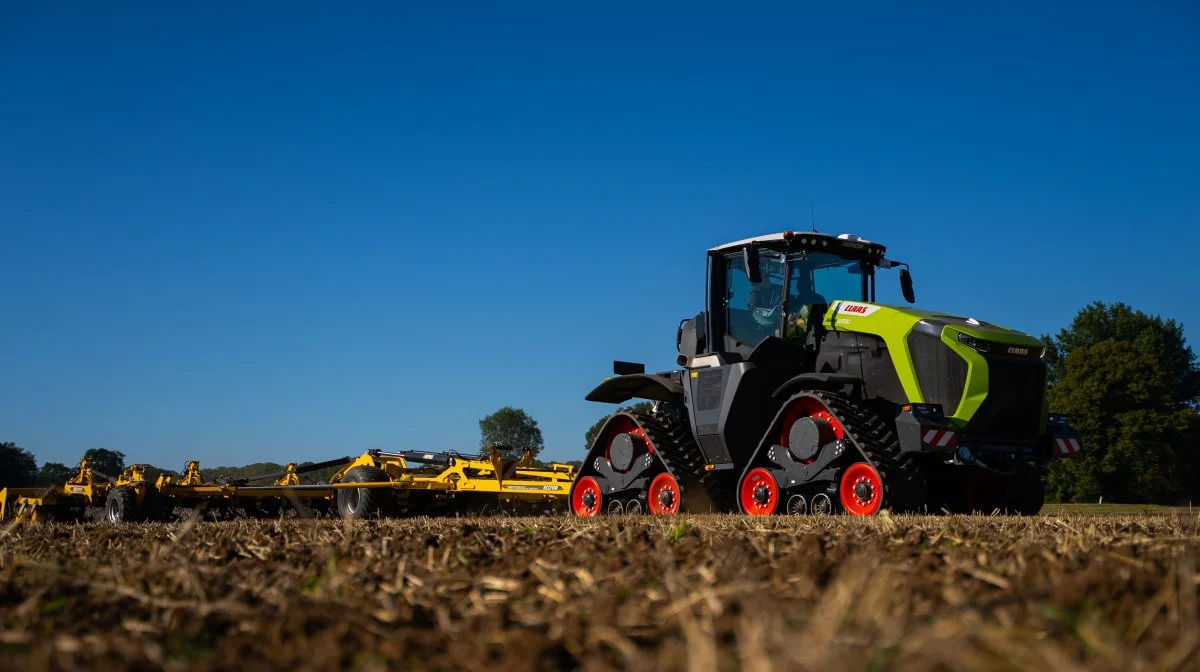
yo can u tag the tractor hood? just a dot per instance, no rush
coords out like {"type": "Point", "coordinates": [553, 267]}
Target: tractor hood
{"type": "Point", "coordinates": [862, 316]}
{"type": "Point", "coordinates": [947, 359]}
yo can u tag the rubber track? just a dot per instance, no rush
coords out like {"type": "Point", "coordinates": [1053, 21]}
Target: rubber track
{"type": "Point", "coordinates": [674, 445]}
{"type": "Point", "coordinates": [903, 483]}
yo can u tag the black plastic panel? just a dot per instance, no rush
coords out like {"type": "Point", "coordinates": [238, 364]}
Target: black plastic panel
{"type": "Point", "coordinates": [879, 371]}
{"type": "Point", "coordinates": [1012, 410]}
{"type": "Point", "coordinates": [941, 373]}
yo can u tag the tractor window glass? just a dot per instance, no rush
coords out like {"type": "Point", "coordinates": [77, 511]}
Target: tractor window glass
{"type": "Point", "coordinates": [815, 280]}
{"type": "Point", "coordinates": [753, 311]}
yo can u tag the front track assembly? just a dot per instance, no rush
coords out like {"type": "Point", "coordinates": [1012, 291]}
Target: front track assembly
{"type": "Point", "coordinates": [640, 463]}
{"type": "Point", "coordinates": [827, 454]}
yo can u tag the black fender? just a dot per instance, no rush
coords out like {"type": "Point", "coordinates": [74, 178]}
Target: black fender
{"type": "Point", "coordinates": [650, 386]}
{"type": "Point", "coordinates": [816, 381]}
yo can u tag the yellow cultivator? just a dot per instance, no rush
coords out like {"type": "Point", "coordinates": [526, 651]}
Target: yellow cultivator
{"type": "Point", "coordinates": [376, 483]}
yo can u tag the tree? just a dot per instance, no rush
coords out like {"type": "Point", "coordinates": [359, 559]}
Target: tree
{"type": "Point", "coordinates": [104, 461]}
{"type": "Point", "coordinates": [18, 468]}
{"type": "Point", "coordinates": [511, 427]}
{"type": "Point", "coordinates": [594, 430]}
{"type": "Point", "coordinates": [1158, 338]}
{"type": "Point", "coordinates": [1129, 383]}
{"type": "Point", "coordinates": [54, 473]}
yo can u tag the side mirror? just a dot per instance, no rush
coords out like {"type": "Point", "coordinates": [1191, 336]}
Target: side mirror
{"type": "Point", "coordinates": [906, 286]}
{"type": "Point", "coordinates": [750, 259]}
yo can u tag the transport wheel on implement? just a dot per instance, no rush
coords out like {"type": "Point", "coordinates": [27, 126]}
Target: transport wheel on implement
{"type": "Point", "coordinates": [121, 505]}
{"type": "Point", "coordinates": [758, 494]}
{"type": "Point", "coordinates": [663, 497]}
{"type": "Point", "coordinates": [357, 503]}
{"type": "Point", "coordinates": [861, 490]}
{"type": "Point", "coordinates": [585, 498]}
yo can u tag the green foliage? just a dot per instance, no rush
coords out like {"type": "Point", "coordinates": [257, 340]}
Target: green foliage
{"type": "Point", "coordinates": [54, 473]}
{"type": "Point", "coordinates": [108, 462]}
{"type": "Point", "coordinates": [1129, 382]}
{"type": "Point", "coordinates": [511, 427]}
{"type": "Point", "coordinates": [594, 430]}
{"type": "Point", "coordinates": [1158, 338]}
{"type": "Point", "coordinates": [18, 468]}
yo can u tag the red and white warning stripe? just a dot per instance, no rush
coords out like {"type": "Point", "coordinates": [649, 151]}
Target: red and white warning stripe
{"type": "Point", "coordinates": [1067, 446]}
{"type": "Point", "coordinates": [942, 438]}
{"type": "Point", "coordinates": [508, 469]}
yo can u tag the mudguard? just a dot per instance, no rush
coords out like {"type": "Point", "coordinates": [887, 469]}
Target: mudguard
{"type": "Point", "coordinates": [815, 381]}
{"type": "Point", "coordinates": [655, 387]}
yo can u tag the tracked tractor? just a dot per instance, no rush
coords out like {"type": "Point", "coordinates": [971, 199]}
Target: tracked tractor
{"type": "Point", "coordinates": [797, 393]}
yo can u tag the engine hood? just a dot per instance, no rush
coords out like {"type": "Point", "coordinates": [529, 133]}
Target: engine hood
{"type": "Point", "coordinates": [860, 316]}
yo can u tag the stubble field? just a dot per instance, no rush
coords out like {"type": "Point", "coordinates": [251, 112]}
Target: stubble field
{"type": "Point", "coordinates": [1067, 592]}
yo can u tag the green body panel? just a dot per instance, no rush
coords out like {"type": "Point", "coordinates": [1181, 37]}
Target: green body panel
{"type": "Point", "coordinates": [893, 324]}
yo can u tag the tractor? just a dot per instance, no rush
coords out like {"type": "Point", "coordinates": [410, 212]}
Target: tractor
{"type": "Point", "coordinates": [797, 393]}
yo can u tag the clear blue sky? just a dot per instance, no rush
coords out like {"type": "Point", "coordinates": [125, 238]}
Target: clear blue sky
{"type": "Point", "coordinates": [272, 231]}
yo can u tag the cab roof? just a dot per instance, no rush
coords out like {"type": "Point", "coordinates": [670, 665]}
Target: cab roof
{"type": "Point", "coordinates": [844, 243]}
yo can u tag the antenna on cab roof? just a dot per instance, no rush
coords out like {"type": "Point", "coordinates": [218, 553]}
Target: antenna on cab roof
{"type": "Point", "coordinates": [813, 213]}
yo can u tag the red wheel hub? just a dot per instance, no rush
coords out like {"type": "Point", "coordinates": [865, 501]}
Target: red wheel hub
{"type": "Point", "coordinates": [759, 493]}
{"type": "Point", "coordinates": [585, 500]}
{"type": "Point", "coordinates": [861, 490]}
{"type": "Point", "coordinates": [663, 497]}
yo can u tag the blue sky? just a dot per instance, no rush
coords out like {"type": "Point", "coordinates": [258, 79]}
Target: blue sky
{"type": "Point", "coordinates": [273, 231]}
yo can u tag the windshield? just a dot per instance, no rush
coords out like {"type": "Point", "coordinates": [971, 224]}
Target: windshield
{"type": "Point", "coordinates": [815, 279]}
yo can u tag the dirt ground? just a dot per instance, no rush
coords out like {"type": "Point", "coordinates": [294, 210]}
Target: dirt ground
{"type": "Point", "coordinates": [1075, 592]}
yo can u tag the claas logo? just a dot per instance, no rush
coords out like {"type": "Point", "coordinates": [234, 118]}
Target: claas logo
{"type": "Point", "coordinates": [856, 309]}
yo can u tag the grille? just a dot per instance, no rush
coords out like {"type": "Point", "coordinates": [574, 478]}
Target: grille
{"type": "Point", "coordinates": [941, 373]}
{"type": "Point", "coordinates": [1012, 410]}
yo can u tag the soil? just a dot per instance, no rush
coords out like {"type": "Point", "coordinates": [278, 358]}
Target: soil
{"type": "Point", "coordinates": [1074, 592]}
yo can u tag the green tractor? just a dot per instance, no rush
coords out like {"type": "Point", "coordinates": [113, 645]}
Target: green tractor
{"type": "Point", "coordinates": [798, 394]}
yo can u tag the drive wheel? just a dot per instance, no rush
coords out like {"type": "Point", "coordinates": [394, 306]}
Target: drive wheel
{"type": "Point", "coordinates": [357, 503]}
{"type": "Point", "coordinates": [758, 493]}
{"type": "Point", "coordinates": [586, 497]}
{"type": "Point", "coordinates": [663, 496]}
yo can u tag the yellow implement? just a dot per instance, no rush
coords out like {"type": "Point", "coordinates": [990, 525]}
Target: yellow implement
{"type": "Point", "coordinates": [374, 483]}
{"type": "Point", "coordinates": [448, 483]}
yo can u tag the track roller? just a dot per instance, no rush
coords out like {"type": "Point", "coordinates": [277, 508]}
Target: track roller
{"type": "Point", "coordinates": [796, 505]}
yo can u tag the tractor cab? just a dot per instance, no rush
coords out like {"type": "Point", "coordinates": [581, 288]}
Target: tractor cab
{"type": "Point", "coordinates": [780, 286]}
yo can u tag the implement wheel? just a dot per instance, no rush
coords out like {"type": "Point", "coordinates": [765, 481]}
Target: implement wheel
{"type": "Point", "coordinates": [357, 503]}
{"type": "Point", "coordinates": [121, 505]}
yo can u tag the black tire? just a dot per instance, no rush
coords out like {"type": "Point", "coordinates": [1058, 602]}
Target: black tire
{"type": "Point", "coordinates": [1024, 493]}
{"type": "Point", "coordinates": [121, 505]}
{"type": "Point", "coordinates": [358, 503]}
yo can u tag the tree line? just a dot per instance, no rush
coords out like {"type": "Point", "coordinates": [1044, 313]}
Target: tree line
{"type": "Point", "coordinates": [1128, 380]}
